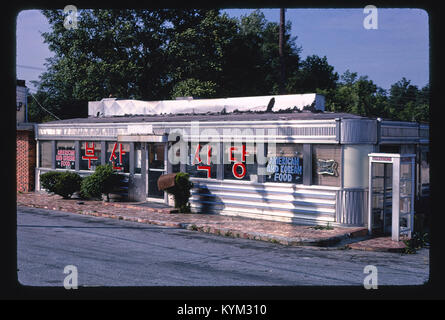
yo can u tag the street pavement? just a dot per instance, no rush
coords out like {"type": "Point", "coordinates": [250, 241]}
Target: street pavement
{"type": "Point", "coordinates": [110, 252]}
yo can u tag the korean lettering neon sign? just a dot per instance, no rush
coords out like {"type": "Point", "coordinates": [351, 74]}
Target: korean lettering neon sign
{"type": "Point", "coordinates": [113, 157]}
{"type": "Point", "coordinates": [89, 154]}
{"type": "Point", "coordinates": [235, 168]}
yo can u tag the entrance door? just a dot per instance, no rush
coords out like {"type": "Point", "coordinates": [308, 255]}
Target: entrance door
{"type": "Point", "coordinates": [381, 201]}
{"type": "Point", "coordinates": [157, 165]}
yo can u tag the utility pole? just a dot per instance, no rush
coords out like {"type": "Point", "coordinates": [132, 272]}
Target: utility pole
{"type": "Point", "coordinates": [281, 52]}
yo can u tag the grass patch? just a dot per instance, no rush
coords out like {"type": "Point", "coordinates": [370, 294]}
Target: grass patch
{"type": "Point", "coordinates": [326, 227]}
{"type": "Point", "coordinates": [418, 241]}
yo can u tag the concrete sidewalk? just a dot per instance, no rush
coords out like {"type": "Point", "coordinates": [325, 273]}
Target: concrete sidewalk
{"type": "Point", "coordinates": [158, 214]}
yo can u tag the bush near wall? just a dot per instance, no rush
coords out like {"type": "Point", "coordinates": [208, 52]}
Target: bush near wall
{"type": "Point", "coordinates": [104, 180]}
{"type": "Point", "coordinates": [64, 184]}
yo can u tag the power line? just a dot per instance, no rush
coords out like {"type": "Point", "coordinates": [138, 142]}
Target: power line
{"type": "Point", "coordinates": [44, 108]}
{"type": "Point", "coordinates": [30, 67]}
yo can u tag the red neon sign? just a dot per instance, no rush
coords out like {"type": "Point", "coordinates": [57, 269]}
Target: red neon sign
{"type": "Point", "coordinates": [113, 156]}
{"type": "Point", "coordinates": [89, 154]}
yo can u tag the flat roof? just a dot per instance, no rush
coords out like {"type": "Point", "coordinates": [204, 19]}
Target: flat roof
{"type": "Point", "coordinates": [243, 116]}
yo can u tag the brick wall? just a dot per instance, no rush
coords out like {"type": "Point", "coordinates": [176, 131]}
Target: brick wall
{"type": "Point", "coordinates": [26, 160]}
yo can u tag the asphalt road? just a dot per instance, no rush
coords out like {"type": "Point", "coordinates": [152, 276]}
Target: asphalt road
{"type": "Point", "coordinates": [110, 252]}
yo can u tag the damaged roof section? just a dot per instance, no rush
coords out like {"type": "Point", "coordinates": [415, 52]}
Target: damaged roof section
{"type": "Point", "coordinates": [119, 107]}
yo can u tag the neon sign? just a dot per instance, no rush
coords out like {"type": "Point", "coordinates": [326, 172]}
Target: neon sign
{"type": "Point", "coordinates": [113, 157]}
{"type": "Point", "coordinates": [285, 169]}
{"type": "Point", "coordinates": [328, 167]}
{"type": "Point", "coordinates": [89, 154]}
{"type": "Point", "coordinates": [239, 170]}
{"type": "Point", "coordinates": [65, 158]}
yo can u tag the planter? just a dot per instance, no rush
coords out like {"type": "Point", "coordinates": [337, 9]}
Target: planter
{"type": "Point", "coordinates": [171, 200]}
{"type": "Point", "coordinates": [105, 197]}
{"type": "Point", "coordinates": [115, 197]}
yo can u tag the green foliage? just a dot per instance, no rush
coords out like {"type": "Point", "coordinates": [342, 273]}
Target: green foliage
{"type": "Point", "coordinates": [314, 73]}
{"type": "Point", "coordinates": [194, 88]}
{"type": "Point", "coordinates": [326, 227]}
{"type": "Point", "coordinates": [166, 53]}
{"type": "Point", "coordinates": [181, 192]}
{"type": "Point", "coordinates": [418, 240]}
{"type": "Point", "coordinates": [103, 181]}
{"type": "Point", "coordinates": [359, 95]}
{"type": "Point", "coordinates": [61, 183]}
{"type": "Point", "coordinates": [49, 179]}
{"type": "Point", "coordinates": [67, 184]}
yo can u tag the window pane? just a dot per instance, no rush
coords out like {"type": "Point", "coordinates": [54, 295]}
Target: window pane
{"type": "Point", "coordinates": [90, 153]}
{"type": "Point", "coordinates": [45, 154]}
{"type": "Point", "coordinates": [174, 157]}
{"type": "Point", "coordinates": [201, 160]}
{"type": "Point", "coordinates": [156, 155]}
{"type": "Point", "coordinates": [285, 164]}
{"type": "Point", "coordinates": [65, 155]}
{"type": "Point", "coordinates": [118, 155]}
{"type": "Point", "coordinates": [326, 165]}
{"type": "Point", "coordinates": [240, 162]}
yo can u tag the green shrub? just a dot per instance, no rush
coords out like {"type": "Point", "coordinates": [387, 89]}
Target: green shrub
{"type": "Point", "coordinates": [418, 240]}
{"type": "Point", "coordinates": [90, 187]}
{"type": "Point", "coordinates": [49, 179]}
{"type": "Point", "coordinates": [181, 192]}
{"type": "Point", "coordinates": [103, 181]}
{"type": "Point", "coordinates": [67, 184]}
{"type": "Point", "coordinates": [61, 183]}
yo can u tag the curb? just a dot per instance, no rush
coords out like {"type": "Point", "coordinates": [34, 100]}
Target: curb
{"type": "Point", "coordinates": [322, 242]}
{"type": "Point", "coordinates": [374, 249]}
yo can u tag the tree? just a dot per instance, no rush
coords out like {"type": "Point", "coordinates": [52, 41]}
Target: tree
{"type": "Point", "coordinates": [159, 54]}
{"type": "Point", "coordinates": [194, 88]}
{"type": "Point", "coordinates": [357, 95]}
{"type": "Point", "coordinates": [251, 59]}
{"type": "Point", "coordinates": [119, 52]}
{"type": "Point", "coordinates": [407, 102]}
{"type": "Point", "coordinates": [315, 73]}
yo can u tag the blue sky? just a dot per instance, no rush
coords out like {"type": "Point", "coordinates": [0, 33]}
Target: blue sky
{"type": "Point", "coordinates": [399, 47]}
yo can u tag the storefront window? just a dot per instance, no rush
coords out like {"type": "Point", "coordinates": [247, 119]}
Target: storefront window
{"type": "Point", "coordinates": [285, 163]}
{"type": "Point", "coordinates": [45, 154]}
{"type": "Point", "coordinates": [174, 157]}
{"type": "Point", "coordinates": [156, 155]}
{"type": "Point", "coordinates": [118, 155]}
{"type": "Point", "coordinates": [90, 152]}
{"type": "Point", "coordinates": [201, 160]}
{"type": "Point", "coordinates": [326, 165]}
{"type": "Point", "coordinates": [65, 155]}
{"type": "Point", "coordinates": [240, 162]}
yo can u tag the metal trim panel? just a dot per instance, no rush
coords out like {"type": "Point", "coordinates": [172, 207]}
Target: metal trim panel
{"type": "Point", "coordinates": [358, 131]}
{"type": "Point", "coordinates": [142, 138]}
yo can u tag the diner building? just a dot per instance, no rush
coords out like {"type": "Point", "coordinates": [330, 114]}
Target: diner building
{"type": "Point", "coordinates": [280, 157]}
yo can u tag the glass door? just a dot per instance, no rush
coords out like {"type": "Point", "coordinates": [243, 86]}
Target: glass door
{"type": "Point", "coordinates": [157, 166]}
{"type": "Point", "coordinates": [381, 198]}
{"type": "Point", "coordinates": [391, 194]}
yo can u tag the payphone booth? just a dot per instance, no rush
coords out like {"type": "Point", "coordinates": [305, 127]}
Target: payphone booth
{"type": "Point", "coordinates": [391, 194]}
